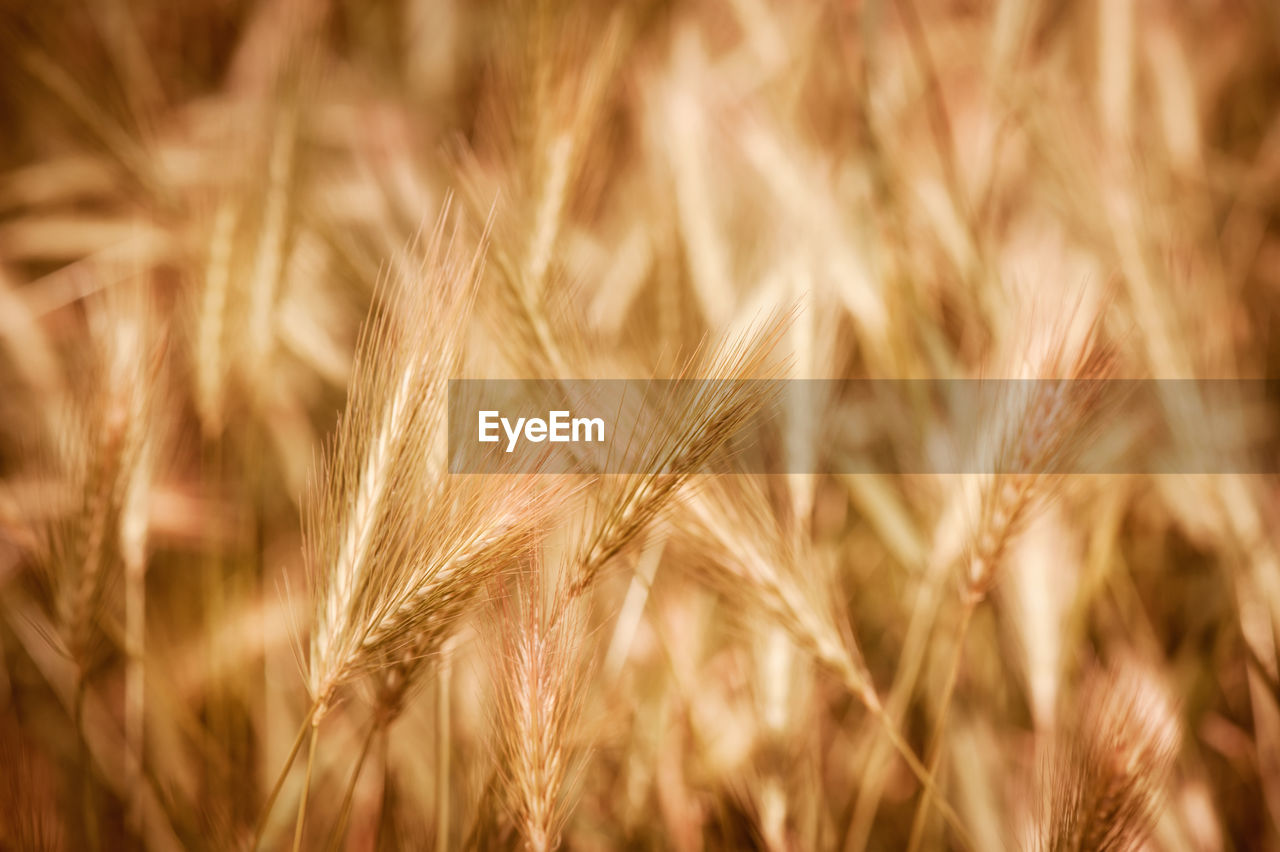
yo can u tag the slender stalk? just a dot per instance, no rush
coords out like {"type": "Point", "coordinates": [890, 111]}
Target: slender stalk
{"type": "Point", "coordinates": [216, 611]}
{"type": "Point", "coordinates": [923, 775]}
{"type": "Point", "coordinates": [261, 828]}
{"type": "Point", "coordinates": [306, 792]}
{"type": "Point", "coordinates": [935, 748]}
{"type": "Point", "coordinates": [135, 691]}
{"type": "Point", "coordinates": [860, 687]}
{"type": "Point", "coordinates": [382, 794]}
{"type": "Point", "coordinates": [344, 812]}
{"type": "Point", "coordinates": [910, 662]}
{"type": "Point", "coordinates": [87, 810]}
{"type": "Point", "coordinates": [442, 755]}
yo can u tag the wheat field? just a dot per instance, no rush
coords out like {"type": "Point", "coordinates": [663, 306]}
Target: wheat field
{"type": "Point", "coordinates": [247, 602]}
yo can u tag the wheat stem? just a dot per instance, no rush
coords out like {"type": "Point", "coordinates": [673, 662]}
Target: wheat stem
{"type": "Point", "coordinates": [306, 792]}
{"type": "Point", "coordinates": [267, 805]}
{"type": "Point", "coordinates": [442, 755]}
{"type": "Point", "coordinates": [87, 810]}
{"type": "Point", "coordinates": [380, 814]}
{"type": "Point", "coordinates": [935, 748]}
{"type": "Point", "coordinates": [918, 769]}
{"type": "Point", "coordinates": [344, 811]}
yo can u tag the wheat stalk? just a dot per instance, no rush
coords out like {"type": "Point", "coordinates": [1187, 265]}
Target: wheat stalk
{"type": "Point", "coordinates": [1042, 425]}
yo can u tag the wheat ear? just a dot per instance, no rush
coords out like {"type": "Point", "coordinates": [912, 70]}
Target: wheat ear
{"type": "Point", "coordinates": [1042, 424]}
{"type": "Point", "coordinates": [1107, 777]}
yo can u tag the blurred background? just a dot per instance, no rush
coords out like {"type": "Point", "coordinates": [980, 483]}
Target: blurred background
{"type": "Point", "coordinates": [201, 205]}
